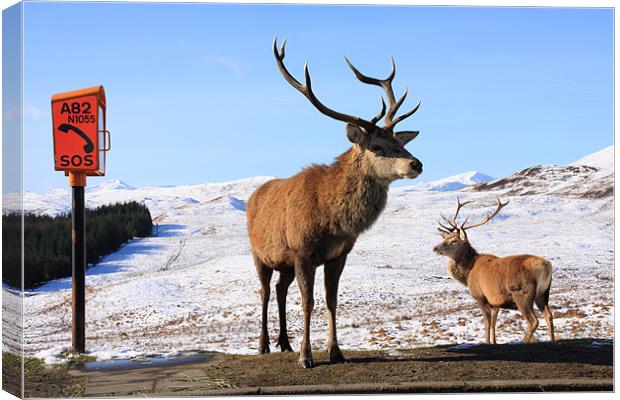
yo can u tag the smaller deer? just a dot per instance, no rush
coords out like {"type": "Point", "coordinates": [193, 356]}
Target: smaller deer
{"type": "Point", "coordinates": [514, 282]}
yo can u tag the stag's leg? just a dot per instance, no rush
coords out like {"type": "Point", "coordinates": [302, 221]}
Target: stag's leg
{"type": "Point", "coordinates": [284, 281]}
{"type": "Point", "coordinates": [494, 312]}
{"type": "Point", "coordinates": [304, 273]}
{"type": "Point", "coordinates": [543, 305]}
{"type": "Point", "coordinates": [486, 313]}
{"type": "Point", "coordinates": [333, 270]}
{"type": "Point", "coordinates": [525, 306]}
{"type": "Point", "coordinates": [264, 274]}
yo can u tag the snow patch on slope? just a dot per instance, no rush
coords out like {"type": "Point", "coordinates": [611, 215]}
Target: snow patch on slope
{"type": "Point", "coordinates": [452, 183]}
{"type": "Point", "coordinates": [602, 159]}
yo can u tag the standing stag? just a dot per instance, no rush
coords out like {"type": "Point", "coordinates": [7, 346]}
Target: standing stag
{"type": "Point", "coordinates": [315, 217]}
{"type": "Point", "coordinates": [514, 282]}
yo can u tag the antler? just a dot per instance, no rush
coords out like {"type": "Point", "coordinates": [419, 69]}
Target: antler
{"type": "Point", "coordinates": [306, 90]}
{"type": "Point", "coordinates": [386, 84]}
{"type": "Point", "coordinates": [486, 219]}
{"type": "Point", "coordinates": [452, 221]}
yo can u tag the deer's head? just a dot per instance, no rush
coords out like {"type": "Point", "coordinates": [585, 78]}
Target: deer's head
{"type": "Point", "coordinates": [383, 150]}
{"type": "Point", "coordinates": [455, 241]}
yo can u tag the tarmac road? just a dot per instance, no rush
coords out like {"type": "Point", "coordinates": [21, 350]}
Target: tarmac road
{"type": "Point", "coordinates": [569, 365]}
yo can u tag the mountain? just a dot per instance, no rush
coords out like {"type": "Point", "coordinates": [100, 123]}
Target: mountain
{"type": "Point", "coordinates": [159, 199]}
{"type": "Point", "coordinates": [602, 160]}
{"type": "Point", "coordinates": [114, 184]}
{"type": "Point", "coordinates": [589, 177]}
{"type": "Point", "coordinates": [451, 183]}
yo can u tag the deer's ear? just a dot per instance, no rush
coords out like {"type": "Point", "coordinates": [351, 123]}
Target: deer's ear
{"type": "Point", "coordinates": [462, 234]}
{"type": "Point", "coordinates": [356, 134]}
{"type": "Point", "coordinates": [406, 136]}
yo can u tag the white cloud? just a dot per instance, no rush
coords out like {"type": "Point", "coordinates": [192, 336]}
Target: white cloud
{"type": "Point", "coordinates": [238, 67]}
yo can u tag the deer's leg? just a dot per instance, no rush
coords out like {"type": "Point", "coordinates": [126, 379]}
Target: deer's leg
{"type": "Point", "coordinates": [264, 275]}
{"type": "Point", "coordinates": [549, 320]}
{"type": "Point", "coordinates": [494, 312]}
{"type": "Point", "coordinates": [486, 314]}
{"type": "Point", "coordinates": [304, 273]}
{"type": "Point", "coordinates": [525, 306]}
{"type": "Point", "coordinates": [284, 281]}
{"type": "Point", "coordinates": [543, 305]}
{"type": "Point", "coordinates": [333, 270]}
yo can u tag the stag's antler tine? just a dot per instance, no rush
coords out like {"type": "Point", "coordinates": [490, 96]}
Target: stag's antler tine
{"type": "Point", "coordinates": [449, 221]}
{"type": "Point", "coordinates": [396, 106]}
{"type": "Point", "coordinates": [447, 229]}
{"type": "Point", "coordinates": [367, 79]}
{"type": "Point", "coordinates": [486, 219]}
{"type": "Point", "coordinates": [280, 61]}
{"type": "Point", "coordinates": [307, 91]}
{"type": "Point", "coordinates": [307, 77]}
{"type": "Point", "coordinates": [381, 113]}
{"type": "Point", "coordinates": [390, 78]}
{"type": "Point", "coordinates": [459, 205]}
{"type": "Point", "coordinates": [464, 222]}
{"type": "Point", "coordinates": [386, 84]}
{"type": "Point", "coordinates": [407, 114]}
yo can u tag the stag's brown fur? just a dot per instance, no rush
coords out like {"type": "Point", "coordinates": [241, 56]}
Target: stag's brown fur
{"type": "Point", "coordinates": [316, 214]}
{"type": "Point", "coordinates": [513, 282]}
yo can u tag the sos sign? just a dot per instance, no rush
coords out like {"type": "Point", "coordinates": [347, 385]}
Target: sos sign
{"type": "Point", "coordinates": [80, 136]}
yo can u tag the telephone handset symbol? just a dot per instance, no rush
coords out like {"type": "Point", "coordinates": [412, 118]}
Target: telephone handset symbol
{"type": "Point", "coordinates": [89, 146]}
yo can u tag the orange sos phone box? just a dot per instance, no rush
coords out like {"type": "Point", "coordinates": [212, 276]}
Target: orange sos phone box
{"type": "Point", "coordinates": [80, 136]}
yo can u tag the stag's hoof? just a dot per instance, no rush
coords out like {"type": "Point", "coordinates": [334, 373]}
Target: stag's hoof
{"type": "Point", "coordinates": [264, 350]}
{"type": "Point", "coordinates": [307, 363]}
{"type": "Point", "coordinates": [286, 348]}
{"type": "Point", "coordinates": [336, 357]}
{"type": "Point", "coordinates": [284, 345]}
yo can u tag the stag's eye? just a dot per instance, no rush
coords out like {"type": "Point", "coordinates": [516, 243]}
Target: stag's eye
{"type": "Point", "coordinates": [376, 149]}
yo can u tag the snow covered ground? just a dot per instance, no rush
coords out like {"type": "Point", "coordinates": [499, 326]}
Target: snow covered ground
{"type": "Point", "coordinates": [194, 287]}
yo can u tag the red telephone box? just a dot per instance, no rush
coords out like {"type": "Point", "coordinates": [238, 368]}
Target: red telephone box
{"type": "Point", "coordinates": [80, 136]}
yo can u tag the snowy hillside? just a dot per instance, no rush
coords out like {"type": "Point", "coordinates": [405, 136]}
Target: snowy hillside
{"type": "Point", "coordinates": [158, 199]}
{"type": "Point", "coordinates": [602, 159]}
{"type": "Point", "coordinates": [590, 177]}
{"type": "Point", "coordinates": [455, 182]}
{"type": "Point", "coordinates": [194, 287]}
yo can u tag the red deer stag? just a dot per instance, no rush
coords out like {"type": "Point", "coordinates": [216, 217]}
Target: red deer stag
{"type": "Point", "coordinates": [315, 217]}
{"type": "Point", "coordinates": [514, 282]}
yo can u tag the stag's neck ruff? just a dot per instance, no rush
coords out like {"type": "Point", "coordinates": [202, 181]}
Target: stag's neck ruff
{"type": "Point", "coordinates": [461, 266]}
{"type": "Point", "coordinates": [357, 197]}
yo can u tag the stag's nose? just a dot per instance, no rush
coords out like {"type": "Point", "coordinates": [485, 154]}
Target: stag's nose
{"type": "Point", "coordinates": [416, 165]}
{"type": "Point", "coordinates": [436, 248]}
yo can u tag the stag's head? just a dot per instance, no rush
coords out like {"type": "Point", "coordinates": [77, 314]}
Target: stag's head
{"type": "Point", "coordinates": [382, 148]}
{"type": "Point", "coordinates": [454, 236]}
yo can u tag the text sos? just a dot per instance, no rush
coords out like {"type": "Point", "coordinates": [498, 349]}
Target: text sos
{"type": "Point", "coordinates": [78, 112]}
{"type": "Point", "coordinates": [76, 161]}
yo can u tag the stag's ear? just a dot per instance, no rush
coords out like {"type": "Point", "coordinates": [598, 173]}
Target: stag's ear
{"type": "Point", "coordinates": [462, 234]}
{"type": "Point", "coordinates": [406, 136]}
{"type": "Point", "coordinates": [356, 134]}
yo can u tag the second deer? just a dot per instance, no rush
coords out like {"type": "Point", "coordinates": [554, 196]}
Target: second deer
{"type": "Point", "coordinates": [514, 282]}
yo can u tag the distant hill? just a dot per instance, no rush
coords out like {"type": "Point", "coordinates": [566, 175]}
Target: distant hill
{"type": "Point", "coordinates": [589, 177]}
{"type": "Point", "coordinates": [451, 183]}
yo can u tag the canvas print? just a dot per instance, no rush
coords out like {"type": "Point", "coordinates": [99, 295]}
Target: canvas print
{"type": "Point", "coordinates": [241, 199]}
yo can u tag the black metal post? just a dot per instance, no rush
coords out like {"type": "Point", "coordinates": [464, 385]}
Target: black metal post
{"type": "Point", "coordinates": [79, 268]}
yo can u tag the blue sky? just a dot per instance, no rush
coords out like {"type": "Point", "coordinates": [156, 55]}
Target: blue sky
{"type": "Point", "coordinates": [194, 94]}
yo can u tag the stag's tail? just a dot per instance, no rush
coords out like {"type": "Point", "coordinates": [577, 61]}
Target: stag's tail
{"type": "Point", "coordinates": [543, 282]}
